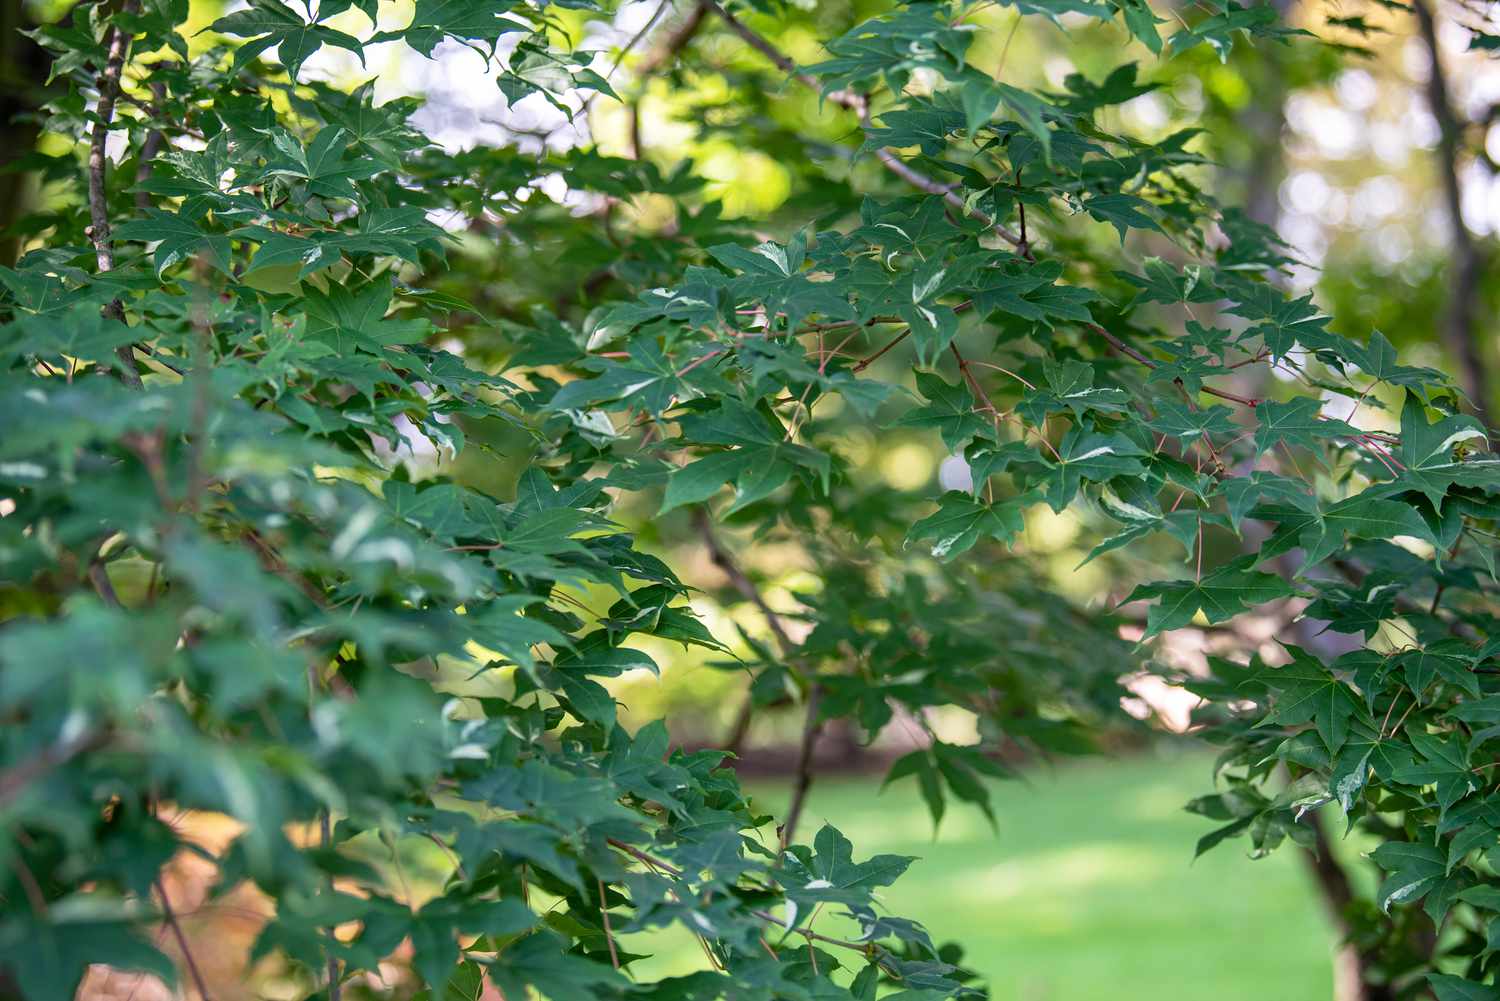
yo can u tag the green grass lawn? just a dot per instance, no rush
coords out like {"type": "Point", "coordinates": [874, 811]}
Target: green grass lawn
{"type": "Point", "coordinates": [1089, 890]}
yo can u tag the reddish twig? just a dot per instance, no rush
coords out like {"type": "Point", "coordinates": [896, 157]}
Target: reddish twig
{"type": "Point", "coordinates": [182, 942]}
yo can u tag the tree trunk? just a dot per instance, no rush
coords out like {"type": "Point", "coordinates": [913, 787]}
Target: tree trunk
{"type": "Point", "coordinates": [1460, 323]}
{"type": "Point", "coordinates": [22, 66]}
{"type": "Point", "coordinates": [1351, 968]}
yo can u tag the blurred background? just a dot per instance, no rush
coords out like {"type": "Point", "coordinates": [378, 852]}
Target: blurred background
{"type": "Point", "coordinates": [1372, 149]}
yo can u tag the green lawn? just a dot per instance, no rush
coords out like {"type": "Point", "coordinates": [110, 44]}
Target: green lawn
{"type": "Point", "coordinates": [1089, 890]}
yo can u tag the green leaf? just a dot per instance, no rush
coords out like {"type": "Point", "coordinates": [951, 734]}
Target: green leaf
{"type": "Point", "coordinates": [177, 239]}
{"type": "Point", "coordinates": [1307, 692]}
{"type": "Point", "coordinates": [1297, 422]}
{"type": "Point", "coordinates": [960, 521]}
{"type": "Point", "coordinates": [832, 863]}
{"type": "Point", "coordinates": [1092, 456]}
{"type": "Point", "coordinates": [1219, 595]}
{"type": "Point", "coordinates": [1280, 322]}
{"type": "Point", "coordinates": [271, 24]}
{"type": "Point", "coordinates": [1322, 531]}
{"type": "Point", "coordinates": [322, 165]}
{"type": "Point", "coordinates": [1450, 988]}
{"type": "Point", "coordinates": [1185, 423]}
{"type": "Point", "coordinates": [1123, 212]}
{"type": "Point", "coordinates": [1429, 464]}
{"type": "Point", "coordinates": [920, 763]}
{"type": "Point", "coordinates": [49, 959]}
{"type": "Point", "coordinates": [1164, 283]}
{"type": "Point", "coordinates": [1415, 870]}
{"type": "Point", "coordinates": [1219, 29]}
{"type": "Point", "coordinates": [950, 409]}
{"type": "Point", "coordinates": [538, 961]}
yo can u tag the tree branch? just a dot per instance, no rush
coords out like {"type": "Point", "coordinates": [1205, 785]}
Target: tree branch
{"type": "Point", "coordinates": [335, 989]}
{"type": "Point", "coordinates": [1136, 356]}
{"type": "Point", "coordinates": [99, 232]}
{"type": "Point", "coordinates": [1466, 267]}
{"type": "Point", "coordinates": [155, 140]}
{"type": "Point", "coordinates": [869, 360]}
{"type": "Point", "coordinates": [182, 942]}
{"type": "Point", "coordinates": [860, 106]}
{"type": "Point", "coordinates": [811, 729]}
{"type": "Point", "coordinates": [15, 779]}
{"type": "Point", "coordinates": [609, 934]}
{"type": "Point", "coordinates": [673, 44]}
{"type": "Point", "coordinates": [724, 560]}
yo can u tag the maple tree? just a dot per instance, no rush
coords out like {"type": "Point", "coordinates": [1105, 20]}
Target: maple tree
{"type": "Point", "coordinates": [232, 585]}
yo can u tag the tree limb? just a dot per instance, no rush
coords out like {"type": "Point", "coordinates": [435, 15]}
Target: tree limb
{"type": "Point", "coordinates": [182, 942]}
{"type": "Point", "coordinates": [99, 232]}
{"type": "Point", "coordinates": [859, 105]}
{"type": "Point", "coordinates": [674, 42]}
{"type": "Point", "coordinates": [14, 780]}
{"type": "Point", "coordinates": [155, 140]}
{"type": "Point", "coordinates": [724, 560]}
{"type": "Point", "coordinates": [811, 729]}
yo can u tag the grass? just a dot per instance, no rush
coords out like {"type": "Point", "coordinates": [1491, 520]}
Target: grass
{"type": "Point", "coordinates": [1088, 891]}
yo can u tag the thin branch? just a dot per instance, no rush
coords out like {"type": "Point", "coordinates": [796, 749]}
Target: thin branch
{"type": "Point", "coordinates": [325, 826]}
{"type": "Point", "coordinates": [724, 560]}
{"type": "Point", "coordinates": [1134, 355]}
{"type": "Point", "coordinates": [458, 863]}
{"type": "Point", "coordinates": [33, 890]}
{"type": "Point", "coordinates": [710, 356]}
{"type": "Point", "coordinates": [974, 385]}
{"type": "Point", "coordinates": [1120, 346]}
{"type": "Point", "coordinates": [155, 140]}
{"type": "Point", "coordinates": [609, 934]}
{"type": "Point", "coordinates": [811, 729]}
{"type": "Point", "coordinates": [273, 561]}
{"type": "Point", "coordinates": [182, 942]}
{"type": "Point", "coordinates": [653, 61]}
{"type": "Point", "coordinates": [650, 860]}
{"type": "Point", "coordinates": [760, 44]}
{"type": "Point", "coordinates": [99, 577]}
{"type": "Point", "coordinates": [99, 232]}
{"type": "Point", "coordinates": [674, 43]}
{"type": "Point", "coordinates": [860, 105]}
{"type": "Point", "coordinates": [16, 778]}
{"type": "Point", "coordinates": [917, 179]}
{"type": "Point", "coordinates": [636, 38]}
{"type": "Point", "coordinates": [739, 730]}
{"type": "Point", "coordinates": [866, 362]}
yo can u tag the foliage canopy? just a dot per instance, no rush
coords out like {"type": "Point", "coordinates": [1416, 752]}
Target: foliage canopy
{"type": "Point", "coordinates": [234, 579]}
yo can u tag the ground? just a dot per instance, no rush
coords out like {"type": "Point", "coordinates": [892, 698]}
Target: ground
{"type": "Point", "coordinates": [1089, 890]}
